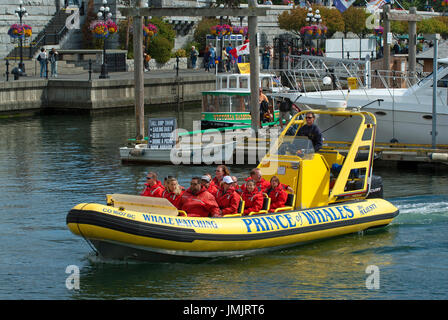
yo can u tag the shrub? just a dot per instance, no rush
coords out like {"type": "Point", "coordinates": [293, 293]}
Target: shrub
{"type": "Point", "coordinates": [160, 49]}
{"type": "Point", "coordinates": [181, 53]}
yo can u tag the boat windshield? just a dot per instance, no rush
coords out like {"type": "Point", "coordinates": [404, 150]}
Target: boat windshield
{"type": "Point", "coordinates": [294, 145]}
{"type": "Point", "coordinates": [213, 102]}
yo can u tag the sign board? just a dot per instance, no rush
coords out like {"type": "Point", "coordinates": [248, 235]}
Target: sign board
{"type": "Point", "coordinates": [352, 84]}
{"type": "Point", "coordinates": [389, 38]}
{"type": "Point", "coordinates": [244, 68]}
{"type": "Point", "coordinates": [160, 133]}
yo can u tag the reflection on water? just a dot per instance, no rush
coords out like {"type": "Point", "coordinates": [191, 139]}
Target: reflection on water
{"type": "Point", "coordinates": [48, 164]}
{"type": "Point", "coordinates": [323, 270]}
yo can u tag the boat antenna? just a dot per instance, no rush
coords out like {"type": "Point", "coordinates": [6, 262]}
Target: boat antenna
{"type": "Point", "coordinates": [376, 100]}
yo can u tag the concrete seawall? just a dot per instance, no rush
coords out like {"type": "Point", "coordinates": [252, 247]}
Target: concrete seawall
{"type": "Point", "coordinates": [89, 96]}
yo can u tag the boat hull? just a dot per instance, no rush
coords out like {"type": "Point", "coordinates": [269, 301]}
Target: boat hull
{"type": "Point", "coordinates": [124, 234]}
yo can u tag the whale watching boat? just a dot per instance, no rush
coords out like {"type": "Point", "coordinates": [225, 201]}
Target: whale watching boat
{"type": "Point", "coordinates": [334, 193]}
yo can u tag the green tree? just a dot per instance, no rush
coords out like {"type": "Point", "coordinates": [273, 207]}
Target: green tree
{"type": "Point", "coordinates": [355, 20]}
{"type": "Point", "coordinates": [292, 20]}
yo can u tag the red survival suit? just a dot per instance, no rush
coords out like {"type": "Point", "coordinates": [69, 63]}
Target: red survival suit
{"type": "Point", "coordinates": [253, 201]}
{"type": "Point", "coordinates": [278, 197]}
{"type": "Point", "coordinates": [228, 201]}
{"type": "Point", "coordinates": [260, 185]}
{"type": "Point", "coordinates": [154, 191]}
{"type": "Point", "coordinates": [202, 204]}
{"type": "Point", "coordinates": [172, 197]}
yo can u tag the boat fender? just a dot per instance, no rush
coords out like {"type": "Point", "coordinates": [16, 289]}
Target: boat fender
{"type": "Point", "coordinates": [137, 152]}
{"type": "Point", "coordinates": [438, 156]}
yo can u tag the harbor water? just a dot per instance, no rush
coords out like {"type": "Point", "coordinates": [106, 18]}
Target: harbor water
{"type": "Point", "coordinates": [50, 163]}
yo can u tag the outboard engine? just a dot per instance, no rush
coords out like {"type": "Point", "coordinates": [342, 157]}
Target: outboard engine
{"type": "Point", "coordinates": [376, 187]}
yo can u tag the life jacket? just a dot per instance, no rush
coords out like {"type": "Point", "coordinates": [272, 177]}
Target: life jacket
{"type": "Point", "coordinates": [253, 201]}
{"type": "Point", "coordinates": [228, 201]}
{"type": "Point", "coordinates": [172, 197]}
{"type": "Point", "coordinates": [202, 204]}
{"type": "Point", "coordinates": [155, 191]}
{"type": "Point", "coordinates": [278, 197]}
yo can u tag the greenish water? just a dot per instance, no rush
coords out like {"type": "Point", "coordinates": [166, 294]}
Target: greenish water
{"type": "Point", "coordinates": [48, 164]}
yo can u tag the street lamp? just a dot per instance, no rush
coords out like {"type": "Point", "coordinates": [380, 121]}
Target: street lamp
{"type": "Point", "coordinates": [104, 13]}
{"type": "Point", "coordinates": [313, 18]}
{"type": "Point", "coordinates": [21, 12]}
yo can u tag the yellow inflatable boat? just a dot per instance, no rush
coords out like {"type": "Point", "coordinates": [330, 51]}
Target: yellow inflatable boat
{"type": "Point", "coordinates": [334, 194]}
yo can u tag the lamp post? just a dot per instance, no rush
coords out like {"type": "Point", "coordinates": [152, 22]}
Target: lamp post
{"type": "Point", "coordinates": [21, 12]}
{"type": "Point", "coordinates": [104, 13]}
{"type": "Point", "coordinates": [313, 19]}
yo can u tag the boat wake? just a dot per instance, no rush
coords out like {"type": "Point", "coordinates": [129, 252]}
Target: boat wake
{"type": "Point", "coordinates": [421, 209]}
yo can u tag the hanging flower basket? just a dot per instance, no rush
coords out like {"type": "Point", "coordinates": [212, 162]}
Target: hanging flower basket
{"type": "Point", "coordinates": [240, 30]}
{"type": "Point", "coordinates": [378, 30]}
{"type": "Point", "coordinates": [99, 29]}
{"type": "Point", "coordinates": [221, 30]}
{"type": "Point", "coordinates": [16, 31]}
{"type": "Point", "coordinates": [314, 31]}
{"type": "Point", "coordinates": [111, 27]}
{"type": "Point", "coordinates": [150, 30]}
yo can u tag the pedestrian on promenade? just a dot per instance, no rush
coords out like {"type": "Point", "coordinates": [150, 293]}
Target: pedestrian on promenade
{"type": "Point", "coordinates": [194, 57]}
{"type": "Point", "coordinates": [207, 59]}
{"type": "Point", "coordinates": [53, 58]}
{"type": "Point", "coordinates": [42, 58]}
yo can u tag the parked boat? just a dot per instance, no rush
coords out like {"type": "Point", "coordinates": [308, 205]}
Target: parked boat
{"type": "Point", "coordinates": [229, 106]}
{"type": "Point", "coordinates": [200, 153]}
{"type": "Point", "coordinates": [333, 194]}
{"type": "Point", "coordinates": [404, 114]}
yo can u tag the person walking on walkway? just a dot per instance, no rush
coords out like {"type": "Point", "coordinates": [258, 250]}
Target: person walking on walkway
{"type": "Point", "coordinates": [207, 59]}
{"type": "Point", "coordinates": [194, 57]}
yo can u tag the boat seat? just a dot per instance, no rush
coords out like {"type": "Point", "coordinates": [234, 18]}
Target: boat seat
{"type": "Point", "coordinates": [264, 208]}
{"type": "Point", "coordinates": [240, 210]}
{"type": "Point", "coordinates": [289, 204]}
{"type": "Point", "coordinates": [142, 204]}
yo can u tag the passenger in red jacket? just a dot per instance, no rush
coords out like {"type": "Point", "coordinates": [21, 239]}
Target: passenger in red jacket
{"type": "Point", "coordinates": [228, 199]}
{"type": "Point", "coordinates": [206, 181]}
{"type": "Point", "coordinates": [173, 191]}
{"type": "Point", "coordinates": [154, 187]}
{"type": "Point", "coordinates": [220, 172]}
{"type": "Point", "coordinates": [277, 194]}
{"type": "Point", "coordinates": [253, 199]}
{"type": "Point", "coordinates": [260, 183]}
{"type": "Point", "coordinates": [198, 202]}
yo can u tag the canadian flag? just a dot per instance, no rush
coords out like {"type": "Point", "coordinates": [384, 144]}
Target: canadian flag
{"type": "Point", "coordinates": [240, 50]}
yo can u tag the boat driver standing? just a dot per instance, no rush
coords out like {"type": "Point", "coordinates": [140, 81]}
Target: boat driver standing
{"type": "Point", "coordinates": [311, 131]}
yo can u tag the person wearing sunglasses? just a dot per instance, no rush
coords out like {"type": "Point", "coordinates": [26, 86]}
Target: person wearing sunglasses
{"type": "Point", "coordinates": [196, 201]}
{"type": "Point", "coordinates": [154, 187]}
{"type": "Point", "coordinates": [311, 131]}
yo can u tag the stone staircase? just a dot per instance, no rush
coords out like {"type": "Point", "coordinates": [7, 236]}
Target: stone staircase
{"type": "Point", "coordinates": [50, 36]}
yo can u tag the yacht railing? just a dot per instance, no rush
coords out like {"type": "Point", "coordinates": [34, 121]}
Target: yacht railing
{"type": "Point", "coordinates": [306, 74]}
